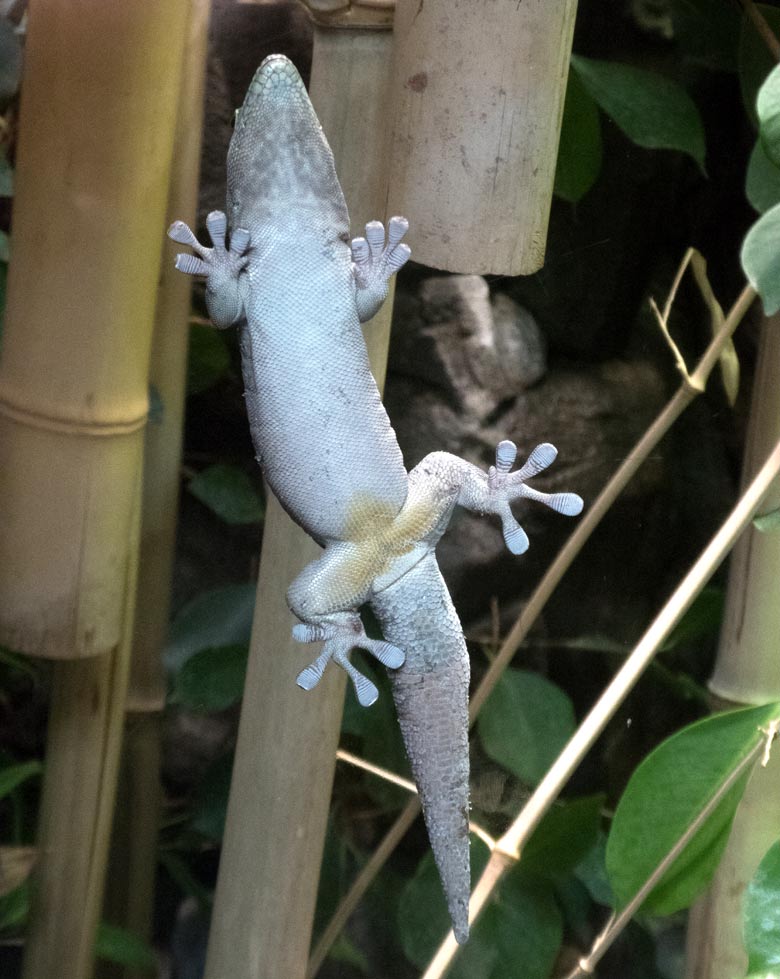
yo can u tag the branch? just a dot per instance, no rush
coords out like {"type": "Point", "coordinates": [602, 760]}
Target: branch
{"type": "Point", "coordinates": [510, 845]}
{"type": "Point", "coordinates": [565, 558]}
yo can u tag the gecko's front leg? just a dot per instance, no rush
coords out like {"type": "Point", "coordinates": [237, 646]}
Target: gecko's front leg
{"type": "Point", "coordinates": [374, 261]}
{"type": "Point", "coordinates": [221, 265]}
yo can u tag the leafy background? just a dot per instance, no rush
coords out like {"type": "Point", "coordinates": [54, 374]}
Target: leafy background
{"type": "Point", "coordinates": [673, 92]}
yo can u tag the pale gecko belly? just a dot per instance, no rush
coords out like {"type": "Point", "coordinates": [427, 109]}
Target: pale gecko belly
{"type": "Point", "coordinates": [324, 439]}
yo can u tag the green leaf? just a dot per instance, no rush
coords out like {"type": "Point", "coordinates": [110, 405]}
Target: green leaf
{"type": "Point", "coordinates": [760, 259]}
{"type": "Point", "coordinates": [768, 110]}
{"type": "Point", "coordinates": [210, 810]}
{"type": "Point", "coordinates": [760, 918]}
{"type": "Point", "coordinates": [524, 724]}
{"type": "Point", "coordinates": [703, 618]}
{"type": "Point", "coordinates": [563, 838]}
{"type": "Point", "coordinates": [14, 908]}
{"type": "Point", "coordinates": [229, 492]}
{"type": "Point", "coordinates": [652, 110]}
{"type": "Point", "coordinates": [522, 925]}
{"type": "Point", "coordinates": [123, 947]}
{"type": "Point", "coordinates": [14, 775]}
{"type": "Point", "coordinates": [221, 617]}
{"type": "Point", "coordinates": [6, 178]}
{"type": "Point", "coordinates": [10, 61]}
{"type": "Point", "coordinates": [762, 183]}
{"type": "Point", "coordinates": [592, 871]}
{"type": "Point", "coordinates": [579, 150]}
{"type": "Point", "coordinates": [755, 60]}
{"type": "Point", "coordinates": [768, 522]}
{"type": "Point", "coordinates": [212, 679]}
{"type": "Point", "coordinates": [208, 359]}
{"type": "Point", "coordinates": [665, 794]}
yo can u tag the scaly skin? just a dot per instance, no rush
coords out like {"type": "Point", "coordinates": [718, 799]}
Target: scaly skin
{"type": "Point", "coordinates": [297, 293]}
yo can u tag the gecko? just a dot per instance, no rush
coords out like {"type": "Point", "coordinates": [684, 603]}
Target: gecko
{"type": "Point", "coordinates": [281, 268]}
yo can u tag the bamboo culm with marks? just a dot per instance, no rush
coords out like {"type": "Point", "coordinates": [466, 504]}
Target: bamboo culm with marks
{"type": "Point", "coordinates": [88, 221]}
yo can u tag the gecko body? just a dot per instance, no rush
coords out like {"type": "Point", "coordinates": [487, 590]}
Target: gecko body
{"type": "Point", "coordinates": [298, 291]}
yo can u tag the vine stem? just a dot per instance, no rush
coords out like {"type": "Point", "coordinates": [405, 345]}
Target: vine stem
{"type": "Point", "coordinates": [509, 846]}
{"type": "Point", "coordinates": [762, 27]}
{"type": "Point", "coordinates": [690, 387]}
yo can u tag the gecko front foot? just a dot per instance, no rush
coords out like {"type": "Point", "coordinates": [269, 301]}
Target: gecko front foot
{"type": "Point", "coordinates": [341, 633]}
{"type": "Point", "coordinates": [221, 265]}
{"type": "Point", "coordinates": [505, 486]}
{"type": "Point", "coordinates": [373, 263]}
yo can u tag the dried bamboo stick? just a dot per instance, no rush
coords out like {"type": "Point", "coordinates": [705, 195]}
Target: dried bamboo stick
{"type": "Point", "coordinates": [286, 752]}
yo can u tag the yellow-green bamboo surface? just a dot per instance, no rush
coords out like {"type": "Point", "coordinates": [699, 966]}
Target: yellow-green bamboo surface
{"type": "Point", "coordinates": [98, 106]}
{"type": "Point", "coordinates": [130, 888]}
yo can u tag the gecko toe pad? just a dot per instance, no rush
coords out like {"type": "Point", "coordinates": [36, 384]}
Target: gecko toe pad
{"type": "Point", "coordinates": [339, 638]}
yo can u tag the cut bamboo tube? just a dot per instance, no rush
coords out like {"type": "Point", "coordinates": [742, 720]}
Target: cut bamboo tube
{"type": "Point", "coordinates": [98, 102]}
{"type": "Point", "coordinates": [96, 132]}
{"type": "Point", "coordinates": [476, 105]}
{"type": "Point", "coordinates": [747, 671]}
{"type": "Point", "coordinates": [287, 740]}
{"type": "Point", "coordinates": [130, 892]}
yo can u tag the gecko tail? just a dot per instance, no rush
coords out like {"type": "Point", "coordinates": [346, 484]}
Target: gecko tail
{"type": "Point", "coordinates": [431, 697]}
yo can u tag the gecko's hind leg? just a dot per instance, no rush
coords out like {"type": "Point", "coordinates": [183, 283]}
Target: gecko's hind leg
{"type": "Point", "coordinates": [327, 606]}
{"type": "Point", "coordinates": [374, 262]}
{"type": "Point", "coordinates": [342, 632]}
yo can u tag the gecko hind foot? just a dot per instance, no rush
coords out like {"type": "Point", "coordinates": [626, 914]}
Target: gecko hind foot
{"type": "Point", "coordinates": [374, 262]}
{"type": "Point", "coordinates": [339, 638]}
{"type": "Point", "coordinates": [505, 486]}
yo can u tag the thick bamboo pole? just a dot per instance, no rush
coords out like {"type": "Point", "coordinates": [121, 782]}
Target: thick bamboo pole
{"type": "Point", "coordinates": [747, 671]}
{"type": "Point", "coordinates": [476, 105]}
{"type": "Point", "coordinates": [286, 751]}
{"type": "Point", "coordinates": [130, 896]}
{"type": "Point", "coordinates": [98, 104]}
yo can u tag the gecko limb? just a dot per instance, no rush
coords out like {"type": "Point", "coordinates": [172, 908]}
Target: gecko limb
{"type": "Point", "coordinates": [341, 633]}
{"type": "Point", "coordinates": [374, 262]}
{"type": "Point", "coordinates": [494, 491]}
{"type": "Point", "coordinates": [221, 265]}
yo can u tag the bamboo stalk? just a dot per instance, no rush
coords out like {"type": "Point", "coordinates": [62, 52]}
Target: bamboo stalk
{"type": "Point", "coordinates": [130, 897]}
{"type": "Point", "coordinates": [476, 107]}
{"type": "Point", "coordinates": [747, 671]}
{"type": "Point", "coordinates": [691, 385]}
{"type": "Point", "coordinates": [287, 740]}
{"type": "Point", "coordinates": [509, 847]}
{"type": "Point", "coordinates": [96, 129]}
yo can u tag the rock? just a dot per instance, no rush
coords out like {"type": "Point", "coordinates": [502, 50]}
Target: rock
{"type": "Point", "coordinates": [449, 335]}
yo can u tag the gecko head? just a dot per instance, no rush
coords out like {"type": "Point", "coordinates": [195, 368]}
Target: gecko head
{"type": "Point", "coordinates": [279, 162]}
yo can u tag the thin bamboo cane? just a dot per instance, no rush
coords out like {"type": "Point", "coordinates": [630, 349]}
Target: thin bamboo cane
{"type": "Point", "coordinates": [509, 847]}
{"type": "Point", "coordinates": [130, 894]}
{"type": "Point", "coordinates": [286, 751]}
{"type": "Point", "coordinates": [691, 386]}
{"type": "Point", "coordinates": [96, 131]}
{"type": "Point", "coordinates": [747, 671]}
{"type": "Point", "coordinates": [477, 100]}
